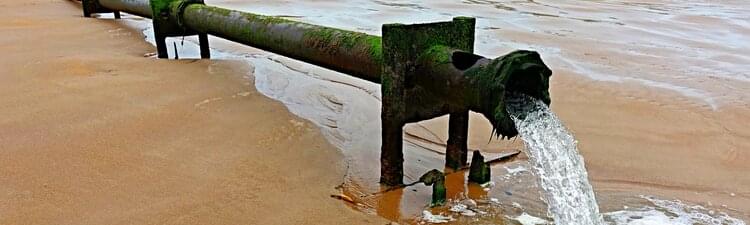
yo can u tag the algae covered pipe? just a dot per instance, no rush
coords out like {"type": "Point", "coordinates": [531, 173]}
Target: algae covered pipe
{"type": "Point", "coordinates": [136, 7]}
{"type": "Point", "coordinates": [352, 53]}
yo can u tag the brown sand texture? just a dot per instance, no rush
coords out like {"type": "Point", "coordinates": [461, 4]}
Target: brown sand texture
{"type": "Point", "coordinates": [92, 132]}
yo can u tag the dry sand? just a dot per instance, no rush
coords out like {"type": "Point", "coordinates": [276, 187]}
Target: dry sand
{"type": "Point", "coordinates": [91, 132]}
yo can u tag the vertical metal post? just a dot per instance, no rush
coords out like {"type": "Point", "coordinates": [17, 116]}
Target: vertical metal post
{"type": "Point", "coordinates": [203, 42]}
{"type": "Point", "coordinates": [456, 154]}
{"type": "Point", "coordinates": [163, 26]}
{"type": "Point", "coordinates": [167, 19]}
{"type": "Point", "coordinates": [458, 124]}
{"type": "Point", "coordinates": [161, 45]}
{"type": "Point", "coordinates": [89, 7]}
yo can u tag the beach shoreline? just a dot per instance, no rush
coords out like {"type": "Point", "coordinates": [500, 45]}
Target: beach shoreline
{"type": "Point", "coordinates": [93, 132]}
{"type": "Point", "coordinates": [636, 140]}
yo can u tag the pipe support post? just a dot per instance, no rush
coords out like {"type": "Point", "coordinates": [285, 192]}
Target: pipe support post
{"type": "Point", "coordinates": [168, 22]}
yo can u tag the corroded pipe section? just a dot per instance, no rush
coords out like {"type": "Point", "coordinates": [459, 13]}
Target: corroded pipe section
{"type": "Point", "coordinates": [353, 53]}
{"type": "Point", "coordinates": [136, 7]}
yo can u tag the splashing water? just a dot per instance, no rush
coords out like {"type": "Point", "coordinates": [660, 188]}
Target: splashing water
{"type": "Point", "coordinates": [557, 164]}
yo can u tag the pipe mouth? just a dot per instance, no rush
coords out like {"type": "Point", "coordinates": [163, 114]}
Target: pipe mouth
{"type": "Point", "coordinates": [464, 60]}
{"type": "Point", "coordinates": [520, 72]}
{"type": "Point", "coordinates": [531, 80]}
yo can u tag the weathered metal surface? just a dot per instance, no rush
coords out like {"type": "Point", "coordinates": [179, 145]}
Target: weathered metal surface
{"type": "Point", "coordinates": [483, 83]}
{"type": "Point", "coordinates": [353, 53]}
{"type": "Point", "coordinates": [136, 7]}
{"type": "Point", "coordinates": [403, 98]}
{"type": "Point", "coordinates": [456, 152]}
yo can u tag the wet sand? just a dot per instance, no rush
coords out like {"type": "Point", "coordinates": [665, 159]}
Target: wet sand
{"type": "Point", "coordinates": [645, 141]}
{"type": "Point", "coordinates": [92, 132]}
{"type": "Point", "coordinates": [636, 140]}
{"type": "Point", "coordinates": [640, 141]}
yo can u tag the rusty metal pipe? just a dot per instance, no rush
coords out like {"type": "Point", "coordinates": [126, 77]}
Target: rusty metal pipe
{"type": "Point", "coordinates": [140, 8]}
{"type": "Point", "coordinates": [353, 53]}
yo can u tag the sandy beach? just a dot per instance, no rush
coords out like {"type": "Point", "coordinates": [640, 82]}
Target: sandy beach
{"type": "Point", "coordinates": [94, 132]}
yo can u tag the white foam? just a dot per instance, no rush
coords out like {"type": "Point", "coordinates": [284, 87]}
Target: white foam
{"type": "Point", "coordinates": [516, 170]}
{"type": "Point", "coordinates": [666, 212]}
{"type": "Point", "coordinates": [462, 209]}
{"type": "Point", "coordinates": [458, 208]}
{"type": "Point", "coordinates": [526, 219]}
{"type": "Point", "coordinates": [427, 216]}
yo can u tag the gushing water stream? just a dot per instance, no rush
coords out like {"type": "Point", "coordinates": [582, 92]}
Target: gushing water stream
{"type": "Point", "coordinates": [560, 169]}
